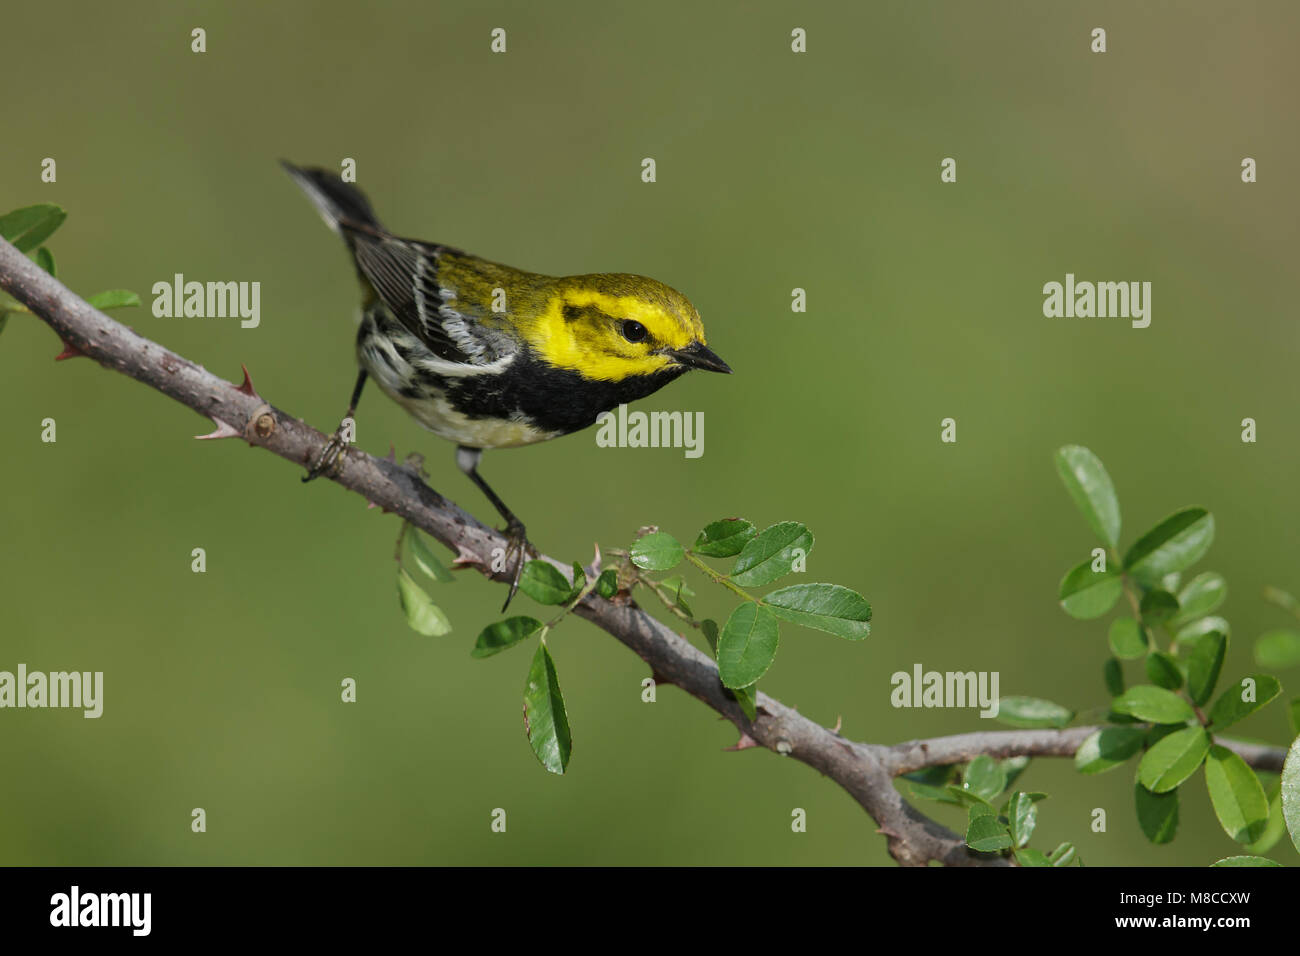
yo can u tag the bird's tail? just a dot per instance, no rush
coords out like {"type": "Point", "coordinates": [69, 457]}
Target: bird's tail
{"type": "Point", "coordinates": [340, 204]}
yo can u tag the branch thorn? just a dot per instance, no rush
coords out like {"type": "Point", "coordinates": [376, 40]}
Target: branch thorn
{"type": "Point", "coordinates": [247, 388]}
{"type": "Point", "coordinates": [69, 351]}
{"type": "Point", "coordinates": [223, 431]}
{"type": "Point", "coordinates": [466, 558]}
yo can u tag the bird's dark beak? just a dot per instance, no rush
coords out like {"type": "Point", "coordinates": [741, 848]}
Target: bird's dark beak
{"type": "Point", "coordinates": [697, 355]}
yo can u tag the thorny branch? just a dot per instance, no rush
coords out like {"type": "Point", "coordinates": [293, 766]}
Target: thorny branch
{"type": "Point", "coordinates": [866, 771]}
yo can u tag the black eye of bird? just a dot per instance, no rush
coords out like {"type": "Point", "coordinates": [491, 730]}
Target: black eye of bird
{"type": "Point", "coordinates": [634, 331]}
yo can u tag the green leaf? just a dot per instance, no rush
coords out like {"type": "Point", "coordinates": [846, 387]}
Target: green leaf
{"type": "Point", "coordinates": [579, 581]}
{"type": "Point", "coordinates": [826, 607]}
{"type": "Point", "coordinates": [1159, 732]}
{"type": "Point", "coordinates": [1023, 814]}
{"type": "Point", "coordinates": [1155, 704]}
{"type": "Point", "coordinates": [984, 777]}
{"type": "Point", "coordinates": [747, 698]}
{"type": "Point", "coordinates": [681, 592]}
{"type": "Point", "coordinates": [1291, 792]}
{"type": "Point", "coordinates": [45, 259]}
{"type": "Point", "coordinates": [929, 788]}
{"type": "Point", "coordinates": [1203, 594]}
{"type": "Point", "coordinates": [1276, 826]}
{"type": "Point", "coordinates": [422, 614]}
{"type": "Point", "coordinates": [1230, 707]}
{"type": "Point", "coordinates": [1278, 649]}
{"type": "Point", "coordinates": [1176, 543]}
{"type": "Point", "coordinates": [1173, 759]}
{"type": "Point", "coordinates": [968, 798]}
{"type": "Point", "coordinates": [943, 794]}
{"type": "Point", "coordinates": [1033, 795]}
{"type": "Point", "coordinates": [607, 583]}
{"type": "Point", "coordinates": [1031, 857]}
{"type": "Point", "coordinates": [771, 554]}
{"type": "Point", "coordinates": [28, 227]}
{"type": "Point", "coordinates": [724, 538]}
{"type": "Point", "coordinates": [747, 645]}
{"type": "Point", "coordinates": [1157, 813]}
{"type": "Point", "coordinates": [1085, 593]}
{"type": "Point", "coordinates": [1063, 855]}
{"type": "Point", "coordinates": [1032, 712]}
{"type": "Point", "coordinates": [926, 791]}
{"type": "Point", "coordinates": [936, 776]}
{"type": "Point", "coordinates": [1113, 675]}
{"type": "Point", "coordinates": [1238, 799]}
{"type": "Point", "coordinates": [985, 834]}
{"type": "Point", "coordinates": [1204, 625]}
{"type": "Point", "coordinates": [710, 631]}
{"type": "Point", "coordinates": [1127, 638]}
{"type": "Point", "coordinates": [1162, 670]}
{"type": "Point", "coordinates": [497, 637]}
{"type": "Point", "coordinates": [1107, 749]}
{"type": "Point", "coordinates": [425, 559]}
{"type": "Point", "coordinates": [1245, 861]}
{"type": "Point", "coordinates": [1086, 480]}
{"type": "Point", "coordinates": [1204, 662]}
{"type": "Point", "coordinates": [113, 299]}
{"type": "Point", "coordinates": [1157, 607]}
{"type": "Point", "coordinates": [544, 583]}
{"type": "Point", "coordinates": [658, 551]}
{"type": "Point", "coordinates": [545, 719]}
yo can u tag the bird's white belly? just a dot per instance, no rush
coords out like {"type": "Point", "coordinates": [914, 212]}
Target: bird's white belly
{"type": "Point", "coordinates": [437, 414]}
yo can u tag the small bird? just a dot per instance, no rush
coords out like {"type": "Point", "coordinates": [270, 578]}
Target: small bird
{"type": "Point", "coordinates": [489, 356]}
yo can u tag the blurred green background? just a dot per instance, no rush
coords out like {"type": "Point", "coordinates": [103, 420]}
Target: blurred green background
{"type": "Point", "coordinates": [775, 171]}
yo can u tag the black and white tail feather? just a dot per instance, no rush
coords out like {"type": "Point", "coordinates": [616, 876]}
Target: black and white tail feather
{"type": "Point", "coordinates": [338, 202]}
{"type": "Point", "coordinates": [404, 276]}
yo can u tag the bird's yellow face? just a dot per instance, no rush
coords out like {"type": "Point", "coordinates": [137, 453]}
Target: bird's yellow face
{"type": "Point", "coordinates": [612, 327]}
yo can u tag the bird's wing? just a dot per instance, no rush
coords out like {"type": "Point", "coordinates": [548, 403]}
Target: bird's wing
{"type": "Point", "coordinates": [407, 275]}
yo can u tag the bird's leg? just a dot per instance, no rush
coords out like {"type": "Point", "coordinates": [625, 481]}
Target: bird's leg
{"type": "Point", "coordinates": [328, 458]}
{"type": "Point", "coordinates": [519, 546]}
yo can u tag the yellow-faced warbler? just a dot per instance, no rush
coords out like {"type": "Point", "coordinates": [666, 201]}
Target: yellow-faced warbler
{"type": "Point", "coordinates": [489, 356]}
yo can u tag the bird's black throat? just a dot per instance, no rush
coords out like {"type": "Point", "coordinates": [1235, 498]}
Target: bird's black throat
{"type": "Point", "coordinates": [553, 399]}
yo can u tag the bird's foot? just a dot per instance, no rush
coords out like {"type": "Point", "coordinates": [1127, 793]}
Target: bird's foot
{"type": "Point", "coordinates": [518, 552]}
{"type": "Point", "coordinates": [327, 462]}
